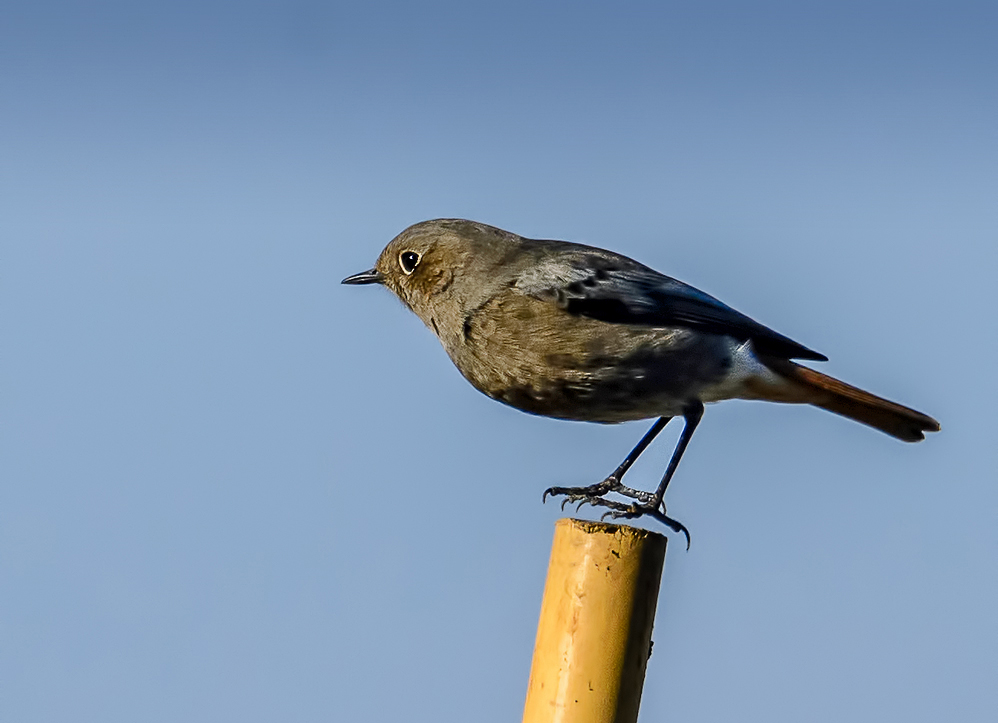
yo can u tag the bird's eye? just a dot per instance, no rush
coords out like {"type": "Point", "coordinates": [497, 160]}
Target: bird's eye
{"type": "Point", "coordinates": [408, 261]}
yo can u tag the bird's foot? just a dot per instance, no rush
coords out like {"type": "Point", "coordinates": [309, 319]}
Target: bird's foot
{"type": "Point", "coordinates": [645, 503]}
{"type": "Point", "coordinates": [580, 494]}
{"type": "Point", "coordinates": [598, 490]}
{"type": "Point", "coordinates": [620, 510]}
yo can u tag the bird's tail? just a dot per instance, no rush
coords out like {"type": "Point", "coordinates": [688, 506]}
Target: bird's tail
{"type": "Point", "coordinates": [811, 387]}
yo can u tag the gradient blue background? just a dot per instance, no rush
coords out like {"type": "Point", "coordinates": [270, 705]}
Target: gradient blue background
{"type": "Point", "coordinates": [234, 490]}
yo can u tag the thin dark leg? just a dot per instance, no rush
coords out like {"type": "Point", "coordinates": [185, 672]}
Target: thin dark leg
{"type": "Point", "coordinates": [692, 414]}
{"type": "Point", "coordinates": [645, 503]}
{"type": "Point", "coordinates": [618, 474]}
{"type": "Point", "coordinates": [612, 483]}
{"type": "Point", "coordinates": [652, 505]}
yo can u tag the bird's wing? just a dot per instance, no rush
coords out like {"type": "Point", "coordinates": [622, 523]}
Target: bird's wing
{"type": "Point", "coordinates": [598, 284]}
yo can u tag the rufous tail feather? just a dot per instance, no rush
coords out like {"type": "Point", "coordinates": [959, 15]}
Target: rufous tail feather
{"type": "Point", "coordinates": [829, 393]}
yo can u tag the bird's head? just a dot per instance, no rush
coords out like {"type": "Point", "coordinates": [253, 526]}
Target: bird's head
{"type": "Point", "coordinates": [427, 259]}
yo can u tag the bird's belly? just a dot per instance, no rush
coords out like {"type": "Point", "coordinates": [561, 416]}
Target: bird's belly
{"type": "Point", "coordinates": [607, 404]}
{"type": "Point", "coordinates": [617, 376]}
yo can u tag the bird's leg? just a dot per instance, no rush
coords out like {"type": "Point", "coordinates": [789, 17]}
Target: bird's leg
{"type": "Point", "coordinates": [612, 483]}
{"type": "Point", "coordinates": [692, 415]}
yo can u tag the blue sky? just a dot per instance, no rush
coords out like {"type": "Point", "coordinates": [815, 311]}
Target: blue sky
{"type": "Point", "coordinates": [233, 489]}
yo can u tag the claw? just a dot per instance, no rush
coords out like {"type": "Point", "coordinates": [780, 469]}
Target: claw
{"type": "Point", "coordinates": [674, 525]}
{"type": "Point", "coordinates": [592, 495]}
{"type": "Point", "coordinates": [687, 533]}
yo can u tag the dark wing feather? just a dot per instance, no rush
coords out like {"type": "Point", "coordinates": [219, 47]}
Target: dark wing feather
{"type": "Point", "coordinates": [599, 284]}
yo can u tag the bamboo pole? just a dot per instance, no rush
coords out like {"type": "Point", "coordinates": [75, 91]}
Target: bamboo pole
{"type": "Point", "coordinates": [594, 634]}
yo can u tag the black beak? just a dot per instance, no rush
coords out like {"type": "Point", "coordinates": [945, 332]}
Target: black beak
{"type": "Point", "coordinates": [365, 277]}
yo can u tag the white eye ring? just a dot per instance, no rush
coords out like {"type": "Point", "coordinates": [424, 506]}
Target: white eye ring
{"type": "Point", "coordinates": [408, 260]}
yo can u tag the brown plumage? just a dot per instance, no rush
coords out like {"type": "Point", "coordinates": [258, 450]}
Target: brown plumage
{"type": "Point", "coordinates": [577, 332]}
{"type": "Point", "coordinates": [821, 390]}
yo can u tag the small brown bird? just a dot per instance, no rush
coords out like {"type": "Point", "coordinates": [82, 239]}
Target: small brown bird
{"type": "Point", "coordinates": [576, 332]}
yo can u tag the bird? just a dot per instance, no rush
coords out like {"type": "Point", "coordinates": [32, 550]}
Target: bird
{"type": "Point", "coordinates": [576, 332]}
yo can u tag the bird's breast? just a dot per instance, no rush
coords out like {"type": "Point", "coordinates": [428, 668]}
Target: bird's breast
{"type": "Point", "coordinates": [538, 358]}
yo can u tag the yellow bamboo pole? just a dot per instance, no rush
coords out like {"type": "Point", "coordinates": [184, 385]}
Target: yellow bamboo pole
{"type": "Point", "coordinates": [594, 634]}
